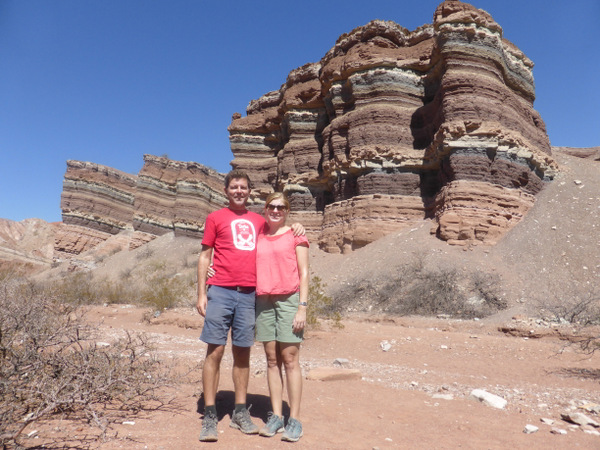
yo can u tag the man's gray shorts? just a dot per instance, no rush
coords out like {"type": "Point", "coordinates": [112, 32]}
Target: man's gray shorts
{"type": "Point", "coordinates": [229, 308]}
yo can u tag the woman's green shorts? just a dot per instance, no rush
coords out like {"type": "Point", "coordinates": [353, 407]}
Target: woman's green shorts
{"type": "Point", "coordinates": [275, 316]}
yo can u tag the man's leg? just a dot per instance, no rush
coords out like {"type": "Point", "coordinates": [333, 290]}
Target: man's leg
{"type": "Point", "coordinates": [210, 384]}
{"type": "Point", "coordinates": [211, 373]}
{"type": "Point", "coordinates": [240, 418]}
{"type": "Point", "coordinates": [241, 372]}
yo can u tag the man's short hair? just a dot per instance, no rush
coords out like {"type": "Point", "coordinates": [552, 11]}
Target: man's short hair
{"type": "Point", "coordinates": [236, 174]}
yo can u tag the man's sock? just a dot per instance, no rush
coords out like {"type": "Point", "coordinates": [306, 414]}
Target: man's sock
{"type": "Point", "coordinates": [210, 410]}
{"type": "Point", "coordinates": [239, 407]}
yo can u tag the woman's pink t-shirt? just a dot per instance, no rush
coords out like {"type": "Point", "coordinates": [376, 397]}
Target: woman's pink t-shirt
{"type": "Point", "coordinates": [276, 263]}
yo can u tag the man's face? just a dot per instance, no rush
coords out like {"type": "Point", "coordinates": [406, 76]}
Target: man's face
{"type": "Point", "coordinates": [237, 193]}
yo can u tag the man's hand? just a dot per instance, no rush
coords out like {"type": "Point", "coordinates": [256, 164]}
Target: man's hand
{"type": "Point", "coordinates": [298, 229]}
{"type": "Point", "coordinates": [201, 305]}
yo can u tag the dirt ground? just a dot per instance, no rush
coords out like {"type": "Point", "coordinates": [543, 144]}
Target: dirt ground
{"type": "Point", "coordinates": [414, 395]}
{"type": "Point", "coordinates": [417, 393]}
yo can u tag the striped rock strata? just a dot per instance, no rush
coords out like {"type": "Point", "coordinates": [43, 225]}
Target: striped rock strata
{"type": "Point", "coordinates": [166, 196]}
{"type": "Point", "coordinates": [175, 196]}
{"type": "Point", "coordinates": [393, 126]}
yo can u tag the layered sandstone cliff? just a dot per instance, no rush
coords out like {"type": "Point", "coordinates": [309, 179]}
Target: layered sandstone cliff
{"type": "Point", "coordinates": [394, 126]}
{"type": "Point", "coordinates": [175, 196]}
{"type": "Point", "coordinates": [389, 128]}
{"type": "Point", "coordinates": [166, 196]}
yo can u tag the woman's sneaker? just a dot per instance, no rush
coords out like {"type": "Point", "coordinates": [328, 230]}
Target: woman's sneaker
{"type": "Point", "coordinates": [274, 425]}
{"type": "Point", "coordinates": [293, 431]}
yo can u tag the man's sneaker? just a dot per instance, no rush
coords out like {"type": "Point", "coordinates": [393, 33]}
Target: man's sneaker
{"type": "Point", "coordinates": [274, 425]}
{"type": "Point", "coordinates": [243, 422]}
{"type": "Point", "coordinates": [293, 431]}
{"type": "Point", "coordinates": [209, 428]}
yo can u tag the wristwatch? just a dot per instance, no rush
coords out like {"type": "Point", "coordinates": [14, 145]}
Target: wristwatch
{"type": "Point", "coordinates": [303, 304]}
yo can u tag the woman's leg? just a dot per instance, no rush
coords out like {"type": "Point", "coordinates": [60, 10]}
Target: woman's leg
{"type": "Point", "coordinates": [274, 376]}
{"type": "Point", "coordinates": [290, 355]}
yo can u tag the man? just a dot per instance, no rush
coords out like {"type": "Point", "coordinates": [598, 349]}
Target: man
{"type": "Point", "coordinates": [228, 300]}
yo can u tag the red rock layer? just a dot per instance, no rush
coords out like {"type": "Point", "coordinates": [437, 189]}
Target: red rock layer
{"type": "Point", "coordinates": [470, 211]}
{"type": "Point", "coordinates": [72, 239]}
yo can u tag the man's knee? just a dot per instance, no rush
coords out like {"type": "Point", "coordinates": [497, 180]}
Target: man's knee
{"type": "Point", "coordinates": [241, 356]}
{"type": "Point", "coordinates": [214, 353]}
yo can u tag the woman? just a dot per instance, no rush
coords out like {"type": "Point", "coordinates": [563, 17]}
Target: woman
{"type": "Point", "coordinates": [281, 302]}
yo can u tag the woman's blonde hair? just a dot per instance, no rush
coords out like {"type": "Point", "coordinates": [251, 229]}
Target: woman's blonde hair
{"type": "Point", "coordinates": [275, 196]}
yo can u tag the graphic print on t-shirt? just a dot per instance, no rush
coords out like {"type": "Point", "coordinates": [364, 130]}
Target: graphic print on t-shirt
{"type": "Point", "coordinates": [244, 236]}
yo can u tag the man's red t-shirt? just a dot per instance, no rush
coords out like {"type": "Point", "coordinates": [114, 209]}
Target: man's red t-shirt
{"type": "Point", "coordinates": [232, 234]}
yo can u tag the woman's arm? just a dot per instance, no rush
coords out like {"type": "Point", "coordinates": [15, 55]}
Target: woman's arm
{"type": "Point", "coordinates": [302, 259]}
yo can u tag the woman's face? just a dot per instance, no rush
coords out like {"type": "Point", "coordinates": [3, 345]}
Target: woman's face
{"type": "Point", "coordinates": [276, 212]}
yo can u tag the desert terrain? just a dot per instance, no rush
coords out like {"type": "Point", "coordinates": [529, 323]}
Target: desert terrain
{"type": "Point", "coordinates": [415, 374]}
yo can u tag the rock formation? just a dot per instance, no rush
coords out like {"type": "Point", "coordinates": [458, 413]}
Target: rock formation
{"type": "Point", "coordinates": [175, 196]}
{"type": "Point", "coordinates": [166, 196]}
{"type": "Point", "coordinates": [393, 126]}
{"type": "Point", "coordinates": [389, 128]}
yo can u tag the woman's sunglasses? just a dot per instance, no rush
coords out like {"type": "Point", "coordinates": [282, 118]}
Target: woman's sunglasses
{"type": "Point", "coordinates": [272, 207]}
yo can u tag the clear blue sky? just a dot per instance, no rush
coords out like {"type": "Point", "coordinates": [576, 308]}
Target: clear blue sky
{"type": "Point", "coordinates": [107, 81]}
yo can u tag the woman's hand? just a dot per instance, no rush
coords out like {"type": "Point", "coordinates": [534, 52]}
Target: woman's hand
{"type": "Point", "coordinates": [210, 272]}
{"type": "Point", "coordinates": [299, 319]}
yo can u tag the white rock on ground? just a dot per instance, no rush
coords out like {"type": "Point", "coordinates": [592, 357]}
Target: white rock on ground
{"type": "Point", "coordinates": [488, 399]}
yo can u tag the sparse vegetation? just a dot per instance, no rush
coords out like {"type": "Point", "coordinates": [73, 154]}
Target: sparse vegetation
{"type": "Point", "coordinates": [155, 287]}
{"type": "Point", "coordinates": [417, 290]}
{"type": "Point", "coordinates": [321, 305]}
{"type": "Point", "coordinates": [52, 364]}
{"type": "Point", "coordinates": [145, 252]}
{"type": "Point", "coordinates": [162, 291]}
{"type": "Point", "coordinates": [581, 308]}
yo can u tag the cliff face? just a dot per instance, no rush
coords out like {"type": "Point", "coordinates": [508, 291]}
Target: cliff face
{"type": "Point", "coordinates": [393, 126]}
{"type": "Point", "coordinates": [176, 196]}
{"type": "Point", "coordinates": [389, 128]}
{"type": "Point", "coordinates": [98, 202]}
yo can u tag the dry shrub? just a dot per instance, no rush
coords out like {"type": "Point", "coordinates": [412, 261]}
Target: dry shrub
{"type": "Point", "coordinates": [51, 364]}
{"type": "Point", "coordinates": [417, 290]}
{"type": "Point", "coordinates": [581, 307]}
{"type": "Point", "coordinates": [163, 292]}
{"type": "Point", "coordinates": [321, 305]}
{"type": "Point", "coordinates": [159, 290]}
